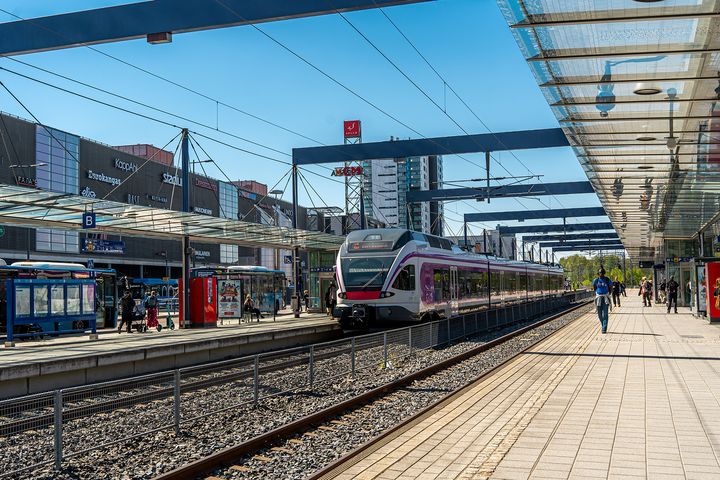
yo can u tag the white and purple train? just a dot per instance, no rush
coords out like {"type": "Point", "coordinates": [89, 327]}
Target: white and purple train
{"type": "Point", "coordinates": [390, 275]}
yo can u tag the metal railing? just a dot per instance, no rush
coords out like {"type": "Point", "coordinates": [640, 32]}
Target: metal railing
{"type": "Point", "coordinates": [54, 426]}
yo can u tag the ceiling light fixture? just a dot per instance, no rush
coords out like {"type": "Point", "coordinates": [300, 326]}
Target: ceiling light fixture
{"type": "Point", "coordinates": [645, 167]}
{"type": "Point", "coordinates": [646, 139]}
{"type": "Point", "coordinates": [646, 89]}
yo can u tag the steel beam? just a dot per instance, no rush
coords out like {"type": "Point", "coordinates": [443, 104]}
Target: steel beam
{"type": "Point", "coordinates": [633, 119]}
{"type": "Point", "coordinates": [586, 248]}
{"type": "Point", "coordinates": [572, 236]}
{"type": "Point", "coordinates": [571, 227]}
{"type": "Point", "coordinates": [486, 142]}
{"type": "Point", "coordinates": [536, 214]}
{"type": "Point", "coordinates": [531, 22]}
{"type": "Point", "coordinates": [620, 53]}
{"type": "Point", "coordinates": [137, 20]}
{"type": "Point", "coordinates": [625, 79]}
{"type": "Point", "coordinates": [580, 244]}
{"type": "Point", "coordinates": [506, 191]}
{"type": "Point", "coordinates": [572, 103]}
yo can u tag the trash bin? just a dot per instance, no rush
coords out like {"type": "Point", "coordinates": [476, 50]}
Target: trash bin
{"type": "Point", "coordinates": [295, 303]}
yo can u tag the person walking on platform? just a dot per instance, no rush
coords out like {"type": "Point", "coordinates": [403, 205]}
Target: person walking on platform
{"type": "Point", "coordinates": [616, 292]}
{"type": "Point", "coordinates": [662, 297]}
{"type": "Point", "coordinates": [672, 290]}
{"type": "Point", "coordinates": [646, 292]}
{"type": "Point", "coordinates": [127, 304]}
{"type": "Point", "coordinates": [151, 307]}
{"type": "Point", "coordinates": [602, 285]}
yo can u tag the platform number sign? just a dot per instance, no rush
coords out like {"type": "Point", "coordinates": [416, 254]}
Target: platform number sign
{"type": "Point", "coordinates": [88, 220]}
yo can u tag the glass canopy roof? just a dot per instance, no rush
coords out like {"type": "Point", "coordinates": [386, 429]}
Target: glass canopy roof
{"type": "Point", "coordinates": [635, 84]}
{"type": "Point", "coordinates": [30, 207]}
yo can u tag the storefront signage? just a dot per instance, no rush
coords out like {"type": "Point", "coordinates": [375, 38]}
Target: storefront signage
{"type": "Point", "coordinates": [125, 166]}
{"type": "Point", "coordinates": [201, 210]}
{"type": "Point", "coordinates": [26, 181]}
{"type": "Point", "coordinates": [157, 198]}
{"type": "Point", "coordinates": [201, 253]}
{"type": "Point", "coordinates": [712, 278]}
{"type": "Point", "coordinates": [102, 246]}
{"type": "Point", "coordinates": [229, 305]}
{"type": "Point", "coordinates": [351, 128]}
{"type": "Point", "coordinates": [172, 179]}
{"type": "Point", "coordinates": [101, 177]}
{"type": "Point", "coordinates": [202, 183]}
{"type": "Point", "coordinates": [347, 171]}
{"type": "Point", "coordinates": [87, 193]}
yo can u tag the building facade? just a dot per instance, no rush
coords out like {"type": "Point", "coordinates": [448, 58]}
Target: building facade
{"type": "Point", "coordinates": [387, 182]}
{"type": "Point", "coordinates": [50, 159]}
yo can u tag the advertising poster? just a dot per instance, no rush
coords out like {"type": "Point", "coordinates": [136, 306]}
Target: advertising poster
{"type": "Point", "coordinates": [712, 276]}
{"type": "Point", "coordinates": [229, 301]}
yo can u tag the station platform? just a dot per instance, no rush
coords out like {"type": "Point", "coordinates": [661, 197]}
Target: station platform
{"type": "Point", "coordinates": [642, 401]}
{"type": "Point", "coordinates": [59, 362]}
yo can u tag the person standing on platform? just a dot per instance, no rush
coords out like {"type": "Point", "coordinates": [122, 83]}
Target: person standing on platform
{"type": "Point", "coordinates": [663, 297]}
{"type": "Point", "coordinates": [672, 291]}
{"type": "Point", "coordinates": [151, 307]}
{"type": "Point", "coordinates": [127, 304]}
{"type": "Point", "coordinates": [616, 292]}
{"type": "Point", "coordinates": [602, 286]}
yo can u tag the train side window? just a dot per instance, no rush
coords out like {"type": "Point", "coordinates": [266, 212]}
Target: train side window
{"type": "Point", "coordinates": [405, 279]}
{"type": "Point", "coordinates": [419, 237]}
{"type": "Point", "coordinates": [445, 243]}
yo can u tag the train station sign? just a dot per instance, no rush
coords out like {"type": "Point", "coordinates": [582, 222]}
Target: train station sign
{"type": "Point", "coordinates": [347, 171]}
{"type": "Point", "coordinates": [89, 245]}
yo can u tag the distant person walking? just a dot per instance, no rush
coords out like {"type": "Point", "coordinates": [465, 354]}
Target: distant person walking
{"type": "Point", "coordinates": [622, 289]}
{"type": "Point", "coordinates": [602, 286]}
{"type": "Point", "coordinates": [672, 289]}
{"type": "Point", "coordinates": [127, 305]}
{"type": "Point", "coordinates": [662, 296]}
{"type": "Point", "coordinates": [151, 308]}
{"type": "Point", "coordinates": [331, 298]}
{"type": "Point", "coordinates": [616, 292]}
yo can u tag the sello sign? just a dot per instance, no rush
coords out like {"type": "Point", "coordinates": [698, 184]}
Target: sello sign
{"type": "Point", "coordinates": [347, 171]}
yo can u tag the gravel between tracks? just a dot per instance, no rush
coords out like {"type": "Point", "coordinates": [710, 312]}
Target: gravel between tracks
{"type": "Point", "coordinates": [154, 453]}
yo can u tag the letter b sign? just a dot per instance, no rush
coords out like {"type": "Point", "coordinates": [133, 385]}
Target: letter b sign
{"type": "Point", "coordinates": [88, 220]}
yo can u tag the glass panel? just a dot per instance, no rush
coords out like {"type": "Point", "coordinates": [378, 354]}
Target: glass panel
{"type": "Point", "coordinates": [73, 300]}
{"type": "Point", "coordinates": [40, 300]}
{"type": "Point", "coordinates": [22, 301]}
{"type": "Point", "coordinates": [57, 299]}
{"type": "Point", "coordinates": [88, 298]}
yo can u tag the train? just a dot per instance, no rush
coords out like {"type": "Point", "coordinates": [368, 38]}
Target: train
{"type": "Point", "coordinates": [392, 275]}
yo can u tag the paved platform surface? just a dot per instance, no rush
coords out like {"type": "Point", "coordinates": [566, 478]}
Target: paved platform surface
{"type": "Point", "coordinates": [642, 401]}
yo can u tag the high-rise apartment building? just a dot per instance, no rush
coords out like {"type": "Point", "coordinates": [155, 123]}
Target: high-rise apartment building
{"type": "Point", "coordinates": [387, 182]}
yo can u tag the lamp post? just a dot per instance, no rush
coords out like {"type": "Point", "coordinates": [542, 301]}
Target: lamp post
{"type": "Point", "coordinates": [165, 256]}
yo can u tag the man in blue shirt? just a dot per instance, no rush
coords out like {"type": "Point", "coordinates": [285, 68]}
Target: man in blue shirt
{"type": "Point", "coordinates": [602, 286]}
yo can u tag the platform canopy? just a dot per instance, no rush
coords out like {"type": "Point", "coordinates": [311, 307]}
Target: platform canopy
{"type": "Point", "coordinates": [592, 248]}
{"type": "Point", "coordinates": [29, 207]}
{"type": "Point", "coordinates": [634, 84]}
{"type": "Point", "coordinates": [571, 236]}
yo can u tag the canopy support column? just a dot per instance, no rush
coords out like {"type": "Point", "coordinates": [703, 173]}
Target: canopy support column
{"type": "Point", "coordinates": [186, 250]}
{"type": "Point", "coordinates": [296, 250]}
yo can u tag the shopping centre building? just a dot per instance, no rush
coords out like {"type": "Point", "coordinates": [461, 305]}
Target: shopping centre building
{"type": "Point", "coordinates": [50, 159]}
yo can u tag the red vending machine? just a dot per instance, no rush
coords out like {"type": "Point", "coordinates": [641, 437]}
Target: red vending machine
{"type": "Point", "coordinates": [203, 301]}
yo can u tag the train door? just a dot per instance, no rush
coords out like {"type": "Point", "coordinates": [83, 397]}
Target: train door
{"type": "Point", "coordinates": [453, 291]}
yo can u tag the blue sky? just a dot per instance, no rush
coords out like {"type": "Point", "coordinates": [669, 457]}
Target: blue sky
{"type": "Point", "coordinates": [467, 41]}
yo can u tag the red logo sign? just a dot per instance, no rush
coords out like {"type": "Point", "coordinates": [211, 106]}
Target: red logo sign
{"type": "Point", "coordinates": [347, 171]}
{"type": "Point", "coordinates": [352, 128]}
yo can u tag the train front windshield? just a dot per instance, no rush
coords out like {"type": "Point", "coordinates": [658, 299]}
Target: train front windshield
{"type": "Point", "coordinates": [365, 273]}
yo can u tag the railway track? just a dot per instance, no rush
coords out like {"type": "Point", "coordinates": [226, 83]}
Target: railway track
{"type": "Point", "coordinates": [330, 418]}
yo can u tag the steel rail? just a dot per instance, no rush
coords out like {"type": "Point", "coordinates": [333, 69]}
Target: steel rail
{"type": "Point", "coordinates": [230, 455]}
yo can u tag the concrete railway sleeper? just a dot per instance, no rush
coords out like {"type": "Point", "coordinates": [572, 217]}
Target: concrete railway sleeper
{"type": "Point", "coordinates": [270, 455]}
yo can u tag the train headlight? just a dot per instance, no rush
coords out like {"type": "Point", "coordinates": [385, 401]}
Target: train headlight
{"type": "Point", "coordinates": [386, 294]}
{"type": "Point", "coordinates": [342, 295]}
